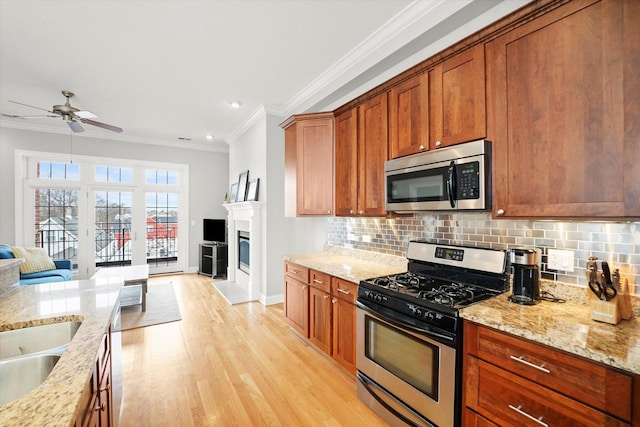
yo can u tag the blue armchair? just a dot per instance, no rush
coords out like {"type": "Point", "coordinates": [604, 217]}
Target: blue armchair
{"type": "Point", "coordinates": [61, 273]}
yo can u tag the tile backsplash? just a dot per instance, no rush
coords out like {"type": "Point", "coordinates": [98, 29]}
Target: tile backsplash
{"type": "Point", "coordinates": [616, 243]}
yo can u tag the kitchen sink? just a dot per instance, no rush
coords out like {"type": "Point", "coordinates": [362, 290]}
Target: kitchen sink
{"type": "Point", "coordinates": [20, 375]}
{"type": "Point", "coordinates": [34, 339]}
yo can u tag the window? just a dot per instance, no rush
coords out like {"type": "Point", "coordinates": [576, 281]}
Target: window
{"type": "Point", "coordinates": [56, 222]}
{"type": "Point", "coordinates": [49, 170]}
{"type": "Point", "coordinates": [166, 177]}
{"type": "Point", "coordinates": [113, 174]}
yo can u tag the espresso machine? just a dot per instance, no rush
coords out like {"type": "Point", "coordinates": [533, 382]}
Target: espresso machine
{"type": "Point", "coordinates": [525, 271]}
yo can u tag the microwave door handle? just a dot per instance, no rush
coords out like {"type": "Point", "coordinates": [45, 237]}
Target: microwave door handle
{"type": "Point", "coordinates": [452, 179]}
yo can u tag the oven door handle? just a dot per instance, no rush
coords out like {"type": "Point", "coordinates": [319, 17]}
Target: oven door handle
{"type": "Point", "coordinates": [417, 418]}
{"type": "Point", "coordinates": [403, 325]}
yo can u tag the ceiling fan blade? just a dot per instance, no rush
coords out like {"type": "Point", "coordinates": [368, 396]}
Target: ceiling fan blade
{"type": "Point", "coordinates": [85, 115]}
{"type": "Point", "coordinates": [40, 116]}
{"type": "Point", "coordinates": [75, 126]}
{"type": "Point", "coordinates": [27, 105]}
{"type": "Point", "coordinates": [102, 125]}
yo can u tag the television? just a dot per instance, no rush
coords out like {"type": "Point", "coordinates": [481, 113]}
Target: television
{"type": "Point", "coordinates": [214, 230]}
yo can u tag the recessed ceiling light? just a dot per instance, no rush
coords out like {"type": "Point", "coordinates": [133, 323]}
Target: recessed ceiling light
{"type": "Point", "coordinates": [235, 104]}
{"type": "Point", "coordinates": [209, 137]}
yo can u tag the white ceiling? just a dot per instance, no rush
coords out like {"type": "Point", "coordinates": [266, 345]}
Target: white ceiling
{"type": "Point", "coordinates": [164, 69]}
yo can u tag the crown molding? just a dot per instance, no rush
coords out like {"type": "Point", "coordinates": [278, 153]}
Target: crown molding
{"type": "Point", "coordinates": [222, 148]}
{"type": "Point", "coordinates": [257, 115]}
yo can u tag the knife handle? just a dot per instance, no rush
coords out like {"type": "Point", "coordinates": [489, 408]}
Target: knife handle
{"type": "Point", "coordinates": [616, 279]}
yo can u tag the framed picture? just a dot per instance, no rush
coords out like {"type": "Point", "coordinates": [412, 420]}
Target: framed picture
{"type": "Point", "coordinates": [242, 186]}
{"type": "Point", "coordinates": [233, 192]}
{"type": "Point", "coordinates": [252, 191]}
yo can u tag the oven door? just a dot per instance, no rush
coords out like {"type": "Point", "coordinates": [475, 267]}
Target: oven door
{"type": "Point", "coordinates": [405, 372]}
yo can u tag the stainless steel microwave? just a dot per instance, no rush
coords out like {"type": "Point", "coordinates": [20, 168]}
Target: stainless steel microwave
{"type": "Point", "coordinates": [451, 178]}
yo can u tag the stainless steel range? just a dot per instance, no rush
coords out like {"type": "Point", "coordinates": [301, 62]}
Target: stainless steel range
{"type": "Point", "coordinates": [409, 334]}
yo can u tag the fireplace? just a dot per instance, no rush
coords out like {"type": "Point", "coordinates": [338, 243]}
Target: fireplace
{"type": "Point", "coordinates": [244, 260]}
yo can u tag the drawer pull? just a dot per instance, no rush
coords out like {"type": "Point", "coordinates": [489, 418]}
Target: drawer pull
{"type": "Point", "coordinates": [319, 282]}
{"type": "Point", "coordinates": [531, 417]}
{"type": "Point", "coordinates": [295, 271]}
{"type": "Point", "coordinates": [343, 291]}
{"type": "Point", "coordinates": [533, 365]}
{"type": "Point", "coordinates": [325, 297]}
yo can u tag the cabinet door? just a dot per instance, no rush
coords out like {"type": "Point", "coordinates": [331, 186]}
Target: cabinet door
{"type": "Point", "coordinates": [563, 101]}
{"type": "Point", "coordinates": [320, 319]}
{"type": "Point", "coordinates": [104, 397]}
{"type": "Point", "coordinates": [457, 99]}
{"type": "Point", "coordinates": [408, 116]}
{"type": "Point", "coordinates": [296, 305]}
{"type": "Point", "coordinates": [344, 334]}
{"type": "Point", "coordinates": [346, 158]}
{"type": "Point", "coordinates": [372, 153]}
{"type": "Point", "coordinates": [315, 167]}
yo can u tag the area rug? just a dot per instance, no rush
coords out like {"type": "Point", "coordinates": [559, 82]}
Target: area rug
{"type": "Point", "coordinates": [162, 307]}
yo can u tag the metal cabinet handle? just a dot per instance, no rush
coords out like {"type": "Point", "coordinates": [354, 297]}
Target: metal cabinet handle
{"type": "Point", "coordinates": [305, 287]}
{"type": "Point", "coordinates": [325, 297]}
{"type": "Point", "coordinates": [334, 301]}
{"type": "Point", "coordinates": [533, 365]}
{"type": "Point", "coordinates": [329, 211]}
{"type": "Point", "coordinates": [343, 291]}
{"type": "Point", "coordinates": [531, 417]}
{"type": "Point", "coordinates": [360, 212]}
{"type": "Point", "coordinates": [295, 271]}
{"type": "Point", "coordinates": [421, 147]}
{"type": "Point", "coordinates": [500, 212]}
{"type": "Point", "coordinates": [438, 143]}
{"type": "Point", "coordinates": [320, 282]}
{"type": "Point", "coordinates": [351, 211]}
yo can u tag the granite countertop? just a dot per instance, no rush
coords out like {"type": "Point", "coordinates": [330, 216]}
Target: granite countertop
{"type": "Point", "coordinates": [350, 264]}
{"type": "Point", "coordinates": [567, 326]}
{"type": "Point", "coordinates": [55, 402]}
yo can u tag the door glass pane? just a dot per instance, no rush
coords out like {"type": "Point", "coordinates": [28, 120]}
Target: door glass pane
{"type": "Point", "coordinates": [162, 229]}
{"type": "Point", "coordinates": [56, 222]}
{"type": "Point", "coordinates": [113, 174]}
{"type": "Point", "coordinates": [113, 227]}
{"type": "Point", "coordinates": [49, 170]}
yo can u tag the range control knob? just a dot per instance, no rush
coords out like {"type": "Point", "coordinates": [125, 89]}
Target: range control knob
{"type": "Point", "coordinates": [415, 310]}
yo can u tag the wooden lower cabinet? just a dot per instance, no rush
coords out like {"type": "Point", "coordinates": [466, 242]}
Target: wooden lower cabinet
{"type": "Point", "coordinates": [512, 381]}
{"type": "Point", "coordinates": [323, 310]}
{"type": "Point", "coordinates": [320, 319]}
{"type": "Point", "coordinates": [96, 403]}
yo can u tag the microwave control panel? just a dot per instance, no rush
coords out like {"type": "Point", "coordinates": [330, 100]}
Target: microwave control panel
{"type": "Point", "coordinates": [468, 180]}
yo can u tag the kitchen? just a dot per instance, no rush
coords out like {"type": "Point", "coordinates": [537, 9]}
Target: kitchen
{"type": "Point", "coordinates": [611, 240]}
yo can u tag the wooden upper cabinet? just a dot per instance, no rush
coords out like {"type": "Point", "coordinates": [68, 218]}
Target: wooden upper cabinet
{"type": "Point", "coordinates": [346, 161]}
{"type": "Point", "coordinates": [563, 102]}
{"type": "Point", "coordinates": [457, 104]}
{"type": "Point", "coordinates": [372, 153]}
{"type": "Point", "coordinates": [309, 164]}
{"type": "Point", "coordinates": [408, 116]}
{"type": "Point", "coordinates": [361, 148]}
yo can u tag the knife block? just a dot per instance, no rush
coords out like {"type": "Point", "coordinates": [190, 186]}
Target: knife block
{"type": "Point", "coordinates": [605, 311]}
{"type": "Point", "coordinates": [624, 301]}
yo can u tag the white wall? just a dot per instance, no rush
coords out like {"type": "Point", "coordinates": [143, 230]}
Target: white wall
{"type": "Point", "coordinates": [260, 149]}
{"type": "Point", "coordinates": [208, 174]}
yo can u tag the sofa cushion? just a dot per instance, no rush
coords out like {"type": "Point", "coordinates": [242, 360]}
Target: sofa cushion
{"type": "Point", "coordinates": [35, 259]}
{"type": "Point", "coordinates": [5, 252]}
{"type": "Point", "coordinates": [30, 280]}
{"type": "Point", "coordinates": [56, 275]}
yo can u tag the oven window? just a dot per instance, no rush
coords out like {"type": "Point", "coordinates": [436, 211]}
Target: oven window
{"type": "Point", "coordinates": [409, 358]}
{"type": "Point", "coordinates": [419, 186]}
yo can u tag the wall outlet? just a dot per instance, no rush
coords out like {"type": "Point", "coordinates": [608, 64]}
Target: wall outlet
{"type": "Point", "coordinates": [560, 260]}
{"type": "Point", "coordinates": [366, 238]}
{"type": "Point", "coordinates": [352, 237]}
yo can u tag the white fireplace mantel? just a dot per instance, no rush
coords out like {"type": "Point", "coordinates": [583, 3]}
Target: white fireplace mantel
{"type": "Point", "coordinates": [240, 286]}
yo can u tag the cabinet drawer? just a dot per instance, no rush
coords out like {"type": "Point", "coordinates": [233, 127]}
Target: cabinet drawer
{"type": "Point", "coordinates": [508, 399]}
{"type": "Point", "coordinates": [296, 271]}
{"type": "Point", "coordinates": [320, 280]}
{"type": "Point", "coordinates": [578, 378]}
{"type": "Point", "coordinates": [344, 290]}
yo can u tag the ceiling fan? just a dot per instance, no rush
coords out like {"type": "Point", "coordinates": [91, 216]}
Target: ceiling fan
{"type": "Point", "coordinates": [71, 115]}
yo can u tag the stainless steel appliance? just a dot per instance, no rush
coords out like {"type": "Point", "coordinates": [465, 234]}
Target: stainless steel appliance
{"type": "Point", "coordinates": [526, 275]}
{"type": "Point", "coordinates": [451, 178]}
{"type": "Point", "coordinates": [409, 334]}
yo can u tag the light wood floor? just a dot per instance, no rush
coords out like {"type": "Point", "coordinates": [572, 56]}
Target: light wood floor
{"type": "Point", "coordinates": [225, 365]}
